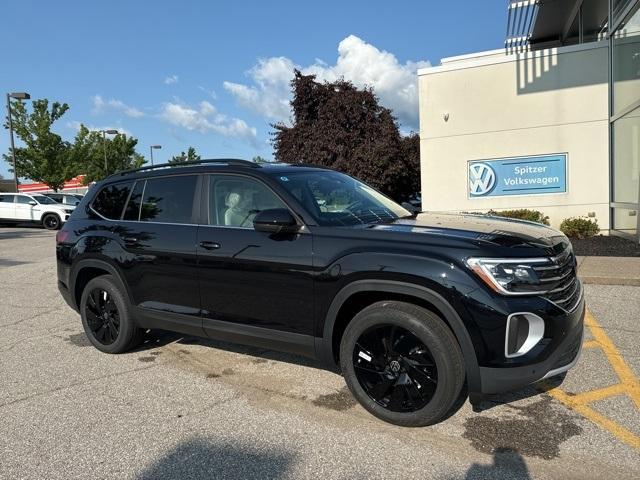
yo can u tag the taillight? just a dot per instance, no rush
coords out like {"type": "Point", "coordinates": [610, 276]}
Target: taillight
{"type": "Point", "coordinates": [62, 236]}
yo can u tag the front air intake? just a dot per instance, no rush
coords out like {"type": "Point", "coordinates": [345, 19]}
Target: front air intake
{"type": "Point", "coordinates": [524, 331]}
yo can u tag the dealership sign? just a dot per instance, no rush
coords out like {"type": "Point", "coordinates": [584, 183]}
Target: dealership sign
{"type": "Point", "coordinates": [518, 176]}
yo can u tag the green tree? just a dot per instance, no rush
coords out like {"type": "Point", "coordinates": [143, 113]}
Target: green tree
{"type": "Point", "coordinates": [89, 149]}
{"type": "Point", "coordinates": [340, 126]}
{"type": "Point", "coordinates": [190, 156]}
{"type": "Point", "coordinates": [45, 156]}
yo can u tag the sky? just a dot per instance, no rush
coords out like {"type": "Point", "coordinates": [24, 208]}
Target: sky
{"type": "Point", "coordinates": [215, 75]}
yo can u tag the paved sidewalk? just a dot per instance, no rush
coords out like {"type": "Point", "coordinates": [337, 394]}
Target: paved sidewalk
{"type": "Point", "coordinates": [609, 270]}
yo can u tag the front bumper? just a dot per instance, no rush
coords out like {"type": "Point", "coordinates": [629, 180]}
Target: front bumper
{"type": "Point", "coordinates": [564, 357]}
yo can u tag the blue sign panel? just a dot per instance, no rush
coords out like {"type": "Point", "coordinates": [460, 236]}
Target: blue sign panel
{"type": "Point", "coordinates": [518, 176]}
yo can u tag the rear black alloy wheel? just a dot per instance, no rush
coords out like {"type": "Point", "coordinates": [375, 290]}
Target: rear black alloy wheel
{"type": "Point", "coordinates": [51, 221]}
{"type": "Point", "coordinates": [102, 316]}
{"type": "Point", "coordinates": [106, 316]}
{"type": "Point", "coordinates": [402, 363]}
{"type": "Point", "coordinates": [395, 368]}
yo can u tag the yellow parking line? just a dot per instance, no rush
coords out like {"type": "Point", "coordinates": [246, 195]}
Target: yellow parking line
{"type": "Point", "coordinates": [597, 418]}
{"type": "Point", "coordinates": [628, 385]}
{"type": "Point", "coordinates": [599, 394]}
{"type": "Point", "coordinates": [591, 344]}
{"type": "Point", "coordinates": [625, 374]}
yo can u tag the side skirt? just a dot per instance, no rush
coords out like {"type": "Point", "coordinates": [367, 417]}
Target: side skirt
{"type": "Point", "coordinates": [226, 331]}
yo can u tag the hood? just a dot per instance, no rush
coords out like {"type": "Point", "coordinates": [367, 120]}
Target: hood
{"type": "Point", "coordinates": [497, 231]}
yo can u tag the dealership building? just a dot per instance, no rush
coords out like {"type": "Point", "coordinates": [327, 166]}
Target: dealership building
{"type": "Point", "coordinates": [551, 122]}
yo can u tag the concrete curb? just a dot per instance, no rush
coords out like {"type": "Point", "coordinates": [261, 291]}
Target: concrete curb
{"type": "Point", "coordinates": [587, 279]}
{"type": "Point", "coordinates": [609, 270]}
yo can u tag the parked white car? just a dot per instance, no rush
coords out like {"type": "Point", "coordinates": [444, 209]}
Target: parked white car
{"type": "Point", "coordinates": [35, 208]}
{"type": "Point", "coordinates": [72, 199]}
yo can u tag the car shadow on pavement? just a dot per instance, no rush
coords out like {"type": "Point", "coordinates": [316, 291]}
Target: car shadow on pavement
{"type": "Point", "coordinates": [159, 338]}
{"type": "Point", "coordinates": [24, 231]}
{"type": "Point", "coordinates": [202, 458]}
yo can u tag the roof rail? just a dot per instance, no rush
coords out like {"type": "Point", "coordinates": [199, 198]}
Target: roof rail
{"type": "Point", "coordinates": [226, 161]}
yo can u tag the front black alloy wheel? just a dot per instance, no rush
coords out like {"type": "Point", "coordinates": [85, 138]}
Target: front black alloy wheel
{"type": "Point", "coordinates": [106, 316]}
{"type": "Point", "coordinates": [102, 316]}
{"type": "Point", "coordinates": [395, 368]}
{"type": "Point", "coordinates": [51, 221]}
{"type": "Point", "coordinates": [402, 363]}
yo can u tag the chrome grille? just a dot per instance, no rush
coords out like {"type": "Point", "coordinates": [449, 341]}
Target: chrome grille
{"type": "Point", "coordinates": [560, 279]}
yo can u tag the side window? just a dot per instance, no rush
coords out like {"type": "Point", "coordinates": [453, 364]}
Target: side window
{"type": "Point", "coordinates": [6, 198]}
{"type": "Point", "coordinates": [23, 199]}
{"type": "Point", "coordinates": [169, 199]}
{"type": "Point", "coordinates": [235, 201]}
{"type": "Point", "coordinates": [132, 212]}
{"type": "Point", "coordinates": [111, 199]}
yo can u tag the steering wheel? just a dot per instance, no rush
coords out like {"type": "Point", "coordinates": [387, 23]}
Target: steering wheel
{"type": "Point", "coordinates": [353, 205]}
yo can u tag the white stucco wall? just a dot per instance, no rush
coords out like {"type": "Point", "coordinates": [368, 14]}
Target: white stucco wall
{"type": "Point", "coordinates": [531, 103]}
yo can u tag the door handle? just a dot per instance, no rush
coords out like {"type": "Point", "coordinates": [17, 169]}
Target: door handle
{"type": "Point", "coordinates": [130, 240]}
{"type": "Point", "coordinates": [209, 245]}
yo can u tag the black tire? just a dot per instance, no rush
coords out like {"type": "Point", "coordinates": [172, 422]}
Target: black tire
{"type": "Point", "coordinates": [51, 221]}
{"type": "Point", "coordinates": [412, 398]}
{"type": "Point", "coordinates": [117, 332]}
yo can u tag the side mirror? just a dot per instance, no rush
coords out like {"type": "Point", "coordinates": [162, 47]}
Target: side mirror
{"type": "Point", "coordinates": [32, 202]}
{"type": "Point", "coordinates": [275, 220]}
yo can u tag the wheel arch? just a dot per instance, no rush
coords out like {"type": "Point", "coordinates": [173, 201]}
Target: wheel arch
{"type": "Point", "coordinates": [88, 269]}
{"type": "Point", "coordinates": [387, 289]}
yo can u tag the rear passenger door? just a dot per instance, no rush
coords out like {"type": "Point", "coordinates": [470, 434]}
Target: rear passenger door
{"type": "Point", "coordinates": [158, 233]}
{"type": "Point", "coordinates": [250, 280]}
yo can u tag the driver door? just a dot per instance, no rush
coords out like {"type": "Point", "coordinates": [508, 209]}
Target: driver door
{"type": "Point", "coordinates": [249, 280]}
{"type": "Point", "coordinates": [24, 210]}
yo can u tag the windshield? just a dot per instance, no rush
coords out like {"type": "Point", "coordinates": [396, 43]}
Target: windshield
{"type": "Point", "coordinates": [334, 198]}
{"type": "Point", "coordinates": [44, 200]}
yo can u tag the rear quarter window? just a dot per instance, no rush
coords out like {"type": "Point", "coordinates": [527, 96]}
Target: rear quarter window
{"type": "Point", "coordinates": [110, 201]}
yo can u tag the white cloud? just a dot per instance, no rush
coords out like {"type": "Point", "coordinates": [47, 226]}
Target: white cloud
{"type": "Point", "coordinates": [212, 93]}
{"type": "Point", "coordinates": [270, 95]}
{"type": "Point", "coordinates": [171, 79]}
{"type": "Point", "coordinates": [358, 61]}
{"type": "Point", "coordinates": [100, 105]}
{"type": "Point", "coordinates": [205, 118]}
{"type": "Point", "coordinates": [75, 125]}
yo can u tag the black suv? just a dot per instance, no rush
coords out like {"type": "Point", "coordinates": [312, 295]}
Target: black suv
{"type": "Point", "coordinates": [408, 307]}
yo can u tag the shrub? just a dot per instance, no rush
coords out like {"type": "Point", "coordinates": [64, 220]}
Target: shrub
{"type": "Point", "coordinates": [579, 228]}
{"type": "Point", "coordinates": [522, 214]}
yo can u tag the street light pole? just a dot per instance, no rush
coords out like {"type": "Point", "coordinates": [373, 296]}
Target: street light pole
{"type": "Point", "coordinates": [151, 148]}
{"type": "Point", "coordinates": [104, 146]}
{"type": "Point", "coordinates": [17, 96]}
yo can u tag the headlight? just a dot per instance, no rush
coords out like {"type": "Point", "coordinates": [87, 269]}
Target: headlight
{"type": "Point", "coordinates": [68, 210]}
{"type": "Point", "coordinates": [508, 276]}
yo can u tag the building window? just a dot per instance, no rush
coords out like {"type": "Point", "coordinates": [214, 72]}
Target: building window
{"type": "Point", "coordinates": [626, 159]}
{"type": "Point", "coordinates": [625, 117]}
{"type": "Point", "coordinates": [626, 63]}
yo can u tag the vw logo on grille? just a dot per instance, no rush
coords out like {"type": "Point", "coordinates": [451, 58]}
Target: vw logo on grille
{"type": "Point", "coordinates": [482, 179]}
{"type": "Point", "coordinates": [395, 366]}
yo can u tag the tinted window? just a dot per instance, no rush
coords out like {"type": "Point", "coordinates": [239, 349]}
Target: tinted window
{"type": "Point", "coordinates": [23, 199]}
{"type": "Point", "coordinates": [6, 198]}
{"type": "Point", "coordinates": [55, 196]}
{"type": "Point", "coordinates": [235, 201]}
{"type": "Point", "coordinates": [43, 199]}
{"type": "Point", "coordinates": [111, 199]}
{"type": "Point", "coordinates": [169, 199]}
{"type": "Point", "coordinates": [132, 211]}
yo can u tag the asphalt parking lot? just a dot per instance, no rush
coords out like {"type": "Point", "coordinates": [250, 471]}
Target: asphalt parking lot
{"type": "Point", "coordinates": [181, 407]}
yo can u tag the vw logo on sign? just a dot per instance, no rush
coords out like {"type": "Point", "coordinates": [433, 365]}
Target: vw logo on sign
{"type": "Point", "coordinates": [482, 178]}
